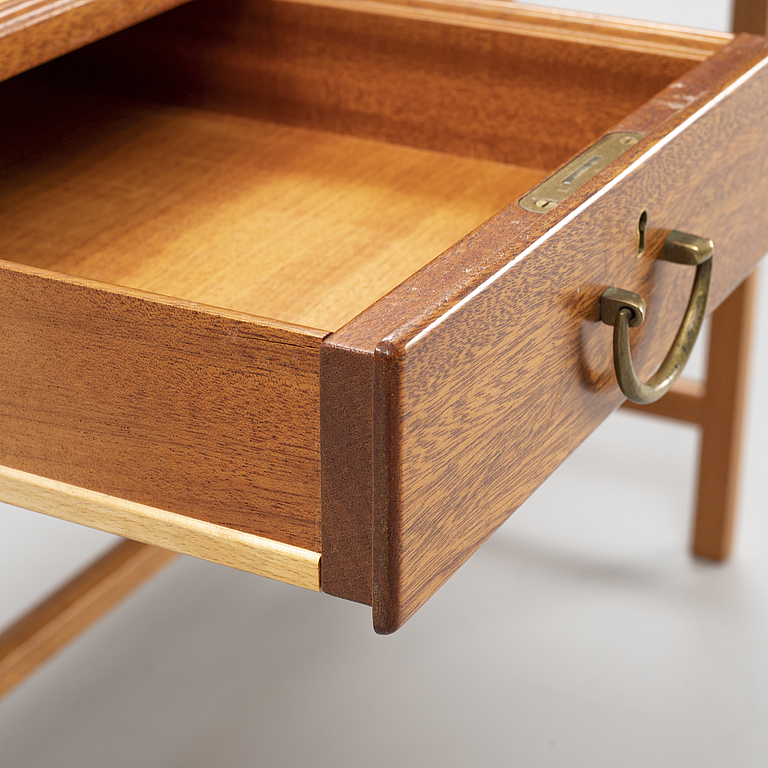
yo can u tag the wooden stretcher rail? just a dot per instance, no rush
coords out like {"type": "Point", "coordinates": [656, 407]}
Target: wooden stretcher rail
{"type": "Point", "coordinates": [685, 402]}
{"type": "Point", "coordinates": [58, 619]}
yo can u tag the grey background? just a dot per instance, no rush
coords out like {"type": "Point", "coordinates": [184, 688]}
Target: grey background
{"type": "Point", "coordinates": [582, 634]}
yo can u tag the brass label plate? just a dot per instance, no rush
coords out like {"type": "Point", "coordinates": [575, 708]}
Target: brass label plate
{"type": "Point", "coordinates": [579, 171]}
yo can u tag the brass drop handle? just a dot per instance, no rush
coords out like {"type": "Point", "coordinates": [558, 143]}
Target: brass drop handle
{"type": "Point", "coordinates": [624, 310]}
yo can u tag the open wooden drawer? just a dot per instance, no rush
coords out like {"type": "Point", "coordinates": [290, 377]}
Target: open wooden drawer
{"type": "Point", "coordinates": [270, 297]}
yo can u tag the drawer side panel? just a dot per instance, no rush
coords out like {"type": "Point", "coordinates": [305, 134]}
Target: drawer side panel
{"type": "Point", "coordinates": [199, 412]}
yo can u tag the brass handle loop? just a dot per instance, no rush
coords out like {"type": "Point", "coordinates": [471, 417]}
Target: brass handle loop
{"type": "Point", "coordinates": [623, 309]}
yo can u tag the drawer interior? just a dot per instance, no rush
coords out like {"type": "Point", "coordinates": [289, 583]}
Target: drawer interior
{"type": "Point", "coordinates": [302, 226]}
{"type": "Point", "coordinates": [298, 161]}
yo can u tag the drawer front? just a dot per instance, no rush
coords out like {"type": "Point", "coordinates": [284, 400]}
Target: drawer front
{"type": "Point", "coordinates": [475, 404]}
{"type": "Point", "coordinates": [199, 412]}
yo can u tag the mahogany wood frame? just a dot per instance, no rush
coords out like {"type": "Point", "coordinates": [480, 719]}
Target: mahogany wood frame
{"type": "Point", "coordinates": [718, 407]}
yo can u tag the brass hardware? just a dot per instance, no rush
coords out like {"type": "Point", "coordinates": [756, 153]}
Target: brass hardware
{"type": "Point", "coordinates": [622, 310]}
{"type": "Point", "coordinates": [682, 248]}
{"type": "Point", "coordinates": [615, 299]}
{"type": "Point", "coordinates": [579, 171]}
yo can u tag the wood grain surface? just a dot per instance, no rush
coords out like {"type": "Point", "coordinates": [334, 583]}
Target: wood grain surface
{"type": "Point", "coordinates": [722, 420]}
{"type": "Point", "coordinates": [718, 406]}
{"type": "Point", "coordinates": [547, 24]}
{"type": "Point", "coordinates": [158, 527]}
{"type": "Point", "coordinates": [346, 424]}
{"type": "Point", "coordinates": [483, 389]}
{"type": "Point", "coordinates": [62, 616]}
{"type": "Point", "coordinates": [347, 357]}
{"type": "Point", "coordinates": [32, 32]}
{"type": "Point", "coordinates": [201, 412]}
{"type": "Point", "coordinates": [459, 458]}
{"type": "Point", "coordinates": [523, 86]}
{"type": "Point", "coordinates": [750, 16]}
{"type": "Point", "coordinates": [437, 418]}
{"type": "Point", "coordinates": [286, 223]}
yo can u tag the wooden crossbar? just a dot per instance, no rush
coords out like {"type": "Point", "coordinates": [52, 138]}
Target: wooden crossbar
{"type": "Point", "coordinates": [62, 616]}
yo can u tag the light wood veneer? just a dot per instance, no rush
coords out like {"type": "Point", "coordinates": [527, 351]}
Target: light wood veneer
{"type": "Point", "coordinates": [167, 530]}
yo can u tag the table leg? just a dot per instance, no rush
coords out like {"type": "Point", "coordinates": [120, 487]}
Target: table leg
{"type": "Point", "coordinates": [722, 421]}
{"type": "Point", "coordinates": [718, 407]}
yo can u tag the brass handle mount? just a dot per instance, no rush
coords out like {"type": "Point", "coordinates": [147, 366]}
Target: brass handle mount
{"type": "Point", "coordinates": [624, 310]}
